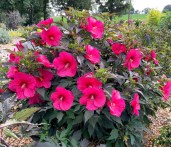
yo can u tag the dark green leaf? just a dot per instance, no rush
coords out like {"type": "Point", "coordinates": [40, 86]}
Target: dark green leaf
{"type": "Point", "coordinates": [59, 116]}
{"type": "Point", "coordinates": [113, 134]}
{"type": "Point", "coordinates": [88, 115]}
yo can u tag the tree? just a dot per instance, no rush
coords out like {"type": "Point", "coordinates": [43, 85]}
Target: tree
{"type": "Point", "coordinates": [63, 4]}
{"type": "Point", "coordinates": [31, 10]}
{"type": "Point", "coordinates": [167, 8]}
{"type": "Point", "coordinates": [146, 10]}
{"type": "Point", "coordinates": [114, 6]}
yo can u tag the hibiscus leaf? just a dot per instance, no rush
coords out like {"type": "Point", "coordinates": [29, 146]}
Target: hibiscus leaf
{"type": "Point", "coordinates": [132, 139]}
{"type": "Point", "coordinates": [80, 59]}
{"type": "Point", "coordinates": [59, 116]}
{"type": "Point", "coordinates": [41, 91]}
{"type": "Point", "coordinates": [113, 134]}
{"type": "Point", "coordinates": [93, 120]}
{"type": "Point", "coordinates": [88, 115]}
{"type": "Point", "coordinates": [25, 113]}
{"type": "Point", "coordinates": [117, 119]}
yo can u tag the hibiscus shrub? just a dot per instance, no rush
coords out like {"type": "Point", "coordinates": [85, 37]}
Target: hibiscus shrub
{"type": "Point", "coordinates": [90, 83]}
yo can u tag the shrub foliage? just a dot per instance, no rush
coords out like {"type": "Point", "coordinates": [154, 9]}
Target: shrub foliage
{"type": "Point", "coordinates": [90, 80]}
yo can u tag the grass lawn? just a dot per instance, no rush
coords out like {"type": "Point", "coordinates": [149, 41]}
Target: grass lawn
{"type": "Point", "coordinates": [123, 17]}
{"type": "Point", "coordinates": [133, 17]}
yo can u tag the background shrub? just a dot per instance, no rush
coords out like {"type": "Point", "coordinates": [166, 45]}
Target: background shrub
{"type": "Point", "coordinates": [166, 21]}
{"type": "Point", "coordinates": [4, 36]}
{"type": "Point", "coordinates": [13, 19]}
{"type": "Point", "coordinates": [154, 17]}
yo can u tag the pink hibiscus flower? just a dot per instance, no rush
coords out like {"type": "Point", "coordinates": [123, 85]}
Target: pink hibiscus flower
{"type": "Point", "coordinates": [43, 60]}
{"type": "Point", "coordinates": [36, 99]}
{"type": "Point", "coordinates": [88, 81]}
{"type": "Point", "coordinates": [44, 80]}
{"type": "Point", "coordinates": [118, 48]}
{"type": "Point", "coordinates": [92, 54]}
{"type": "Point", "coordinates": [153, 56]}
{"type": "Point", "coordinates": [52, 36]}
{"type": "Point", "coordinates": [93, 98]}
{"type": "Point", "coordinates": [133, 59]}
{"type": "Point", "coordinates": [14, 58]}
{"type": "Point", "coordinates": [166, 90]}
{"type": "Point", "coordinates": [135, 104]}
{"type": "Point", "coordinates": [95, 27]}
{"type": "Point", "coordinates": [23, 84]}
{"type": "Point", "coordinates": [12, 71]}
{"type": "Point", "coordinates": [62, 99]}
{"type": "Point", "coordinates": [65, 64]}
{"type": "Point", "coordinates": [19, 46]}
{"type": "Point", "coordinates": [45, 23]}
{"type": "Point", "coordinates": [116, 104]}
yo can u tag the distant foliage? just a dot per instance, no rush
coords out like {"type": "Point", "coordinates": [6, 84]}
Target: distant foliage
{"type": "Point", "coordinates": [2, 25]}
{"type": "Point", "coordinates": [167, 8]}
{"type": "Point", "coordinates": [13, 19]}
{"type": "Point", "coordinates": [4, 36]}
{"type": "Point", "coordinates": [154, 17]}
{"type": "Point", "coordinates": [166, 21]}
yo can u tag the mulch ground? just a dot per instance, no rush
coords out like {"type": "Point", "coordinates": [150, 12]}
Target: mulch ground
{"type": "Point", "coordinates": [162, 116]}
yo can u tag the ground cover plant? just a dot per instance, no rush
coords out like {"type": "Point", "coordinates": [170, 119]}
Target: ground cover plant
{"type": "Point", "coordinates": [85, 82]}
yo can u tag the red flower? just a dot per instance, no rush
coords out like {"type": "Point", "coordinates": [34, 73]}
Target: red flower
{"type": "Point", "coordinates": [14, 58]}
{"type": "Point", "coordinates": [92, 54]}
{"type": "Point", "coordinates": [1, 90]}
{"type": "Point", "coordinates": [93, 98]}
{"type": "Point", "coordinates": [120, 36]}
{"type": "Point", "coordinates": [135, 104]}
{"type": "Point", "coordinates": [110, 41]}
{"type": "Point", "coordinates": [35, 100]}
{"type": "Point", "coordinates": [62, 99]}
{"type": "Point", "coordinates": [118, 48]}
{"type": "Point", "coordinates": [95, 27]}
{"type": "Point", "coordinates": [45, 23]}
{"type": "Point", "coordinates": [88, 81]}
{"type": "Point", "coordinates": [166, 90]}
{"type": "Point", "coordinates": [23, 84]}
{"type": "Point", "coordinates": [153, 56]}
{"type": "Point", "coordinates": [133, 59]}
{"type": "Point", "coordinates": [44, 79]}
{"type": "Point", "coordinates": [52, 36]}
{"type": "Point", "coordinates": [65, 64]}
{"type": "Point", "coordinates": [12, 71]}
{"type": "Point", "coordinates": [43, 60]}
{"type": "Point", "coordinates": [116, 104]}
{"type": "Point", "coordinates": [19, 46]}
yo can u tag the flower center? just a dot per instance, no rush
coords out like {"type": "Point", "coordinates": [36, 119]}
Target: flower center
{"type": "Point", "coordinates": [23, 86]}
{"type": "Point", "coordinates": [112, 104]}
{"type": "Point", "coordinates": [131, 59]}
{"type": "Point", "coordinates": [51, 38]}
{"type": "Point", "coordinates": [67, 65]}
{"type": "Point", "coordinates": [89, 86]}
{"type": "Point", "coordinates": [40, 78]}
{"type": "Point", "coordinates": [92, 97]}
{"type": "Point", "coordinates": [90, 56]}
{"type": "Point", "coordinates": [61, 98]}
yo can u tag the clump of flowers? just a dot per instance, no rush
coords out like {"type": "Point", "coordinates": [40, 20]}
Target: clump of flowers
{"type": "Point", "coordinates": [83, 81]}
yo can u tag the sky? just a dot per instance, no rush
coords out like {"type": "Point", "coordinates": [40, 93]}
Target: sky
{"type": "Point", "coordinates": [157, 4]}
